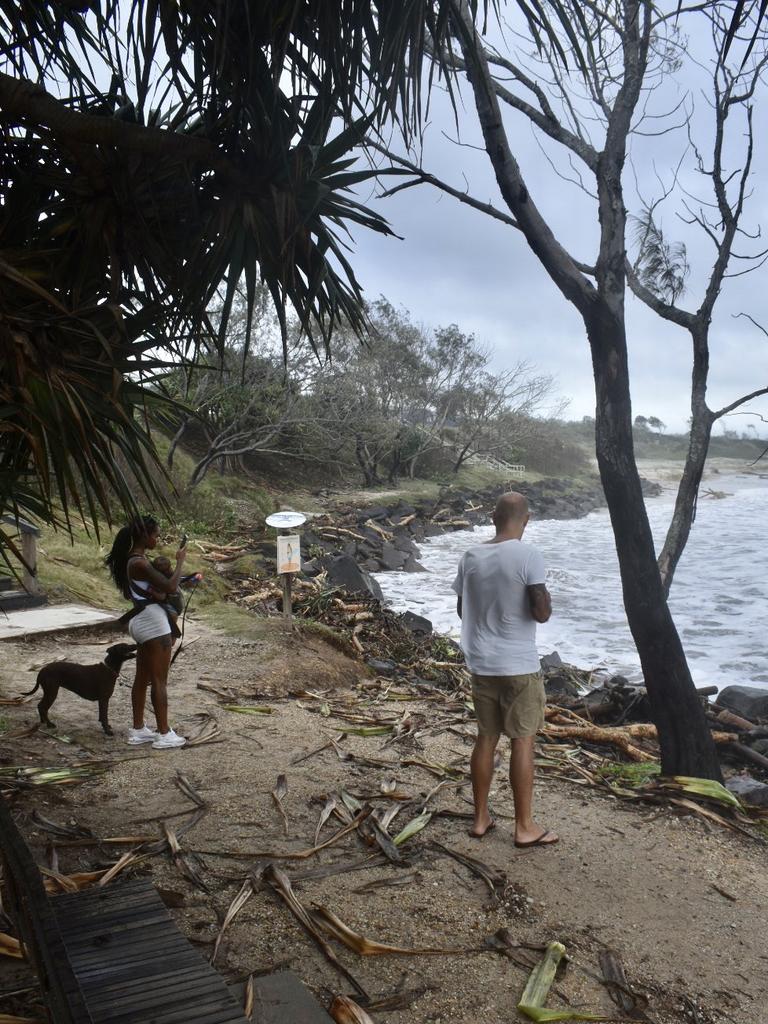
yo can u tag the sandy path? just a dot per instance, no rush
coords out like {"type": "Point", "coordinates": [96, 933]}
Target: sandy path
{"type": "Point", "coordinates": [627, 877]}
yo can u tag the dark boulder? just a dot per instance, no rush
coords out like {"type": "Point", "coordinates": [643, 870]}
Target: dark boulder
{"type": "Point", "coordinates": [381, 666]}
{"type": "Point", "coordinates": [417, 624]}
{"type": "Point", "coordinates": [748, 790]}
{"type": "Point", "coordinates": [343, 571]}
{"type": "Point", "coordinates": [412, 565]}
{"type": "Point", "coordinates": [405, 543]}
{"type": "Point", "coordinates": [620, 681]}
{"type": "Point", "coordinates": [651, 489]}
{"type": "Point", "coordinates": [391, 558]}
{"type": "Point", "coordinates": [748, 701]}
{"type": "Point", "coordinates": [377, 512]}
{"type": "Point", "coordinates": [549, 661]}
{"type": "Point", "coordinates": [558, 685]}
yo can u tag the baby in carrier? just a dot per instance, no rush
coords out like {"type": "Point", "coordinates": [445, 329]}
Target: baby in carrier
{"type": "Point", "coordinates": [172, 604]}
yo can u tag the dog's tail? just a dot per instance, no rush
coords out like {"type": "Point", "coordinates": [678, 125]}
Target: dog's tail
{"type": "Point", "coordinates": [35, 687]}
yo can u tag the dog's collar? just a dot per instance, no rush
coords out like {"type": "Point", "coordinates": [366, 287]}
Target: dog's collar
{"type": "Point", "coordinates": [107, 665]}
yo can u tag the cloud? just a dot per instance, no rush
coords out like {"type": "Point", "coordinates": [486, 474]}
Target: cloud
{"type": "Point", "coordinates": [456, 265]}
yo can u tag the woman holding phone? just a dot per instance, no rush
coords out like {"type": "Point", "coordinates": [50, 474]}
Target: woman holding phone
{"type": "Point", "coordinates": [135, 577]}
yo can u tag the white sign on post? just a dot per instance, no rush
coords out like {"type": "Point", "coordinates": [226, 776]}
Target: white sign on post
{"type": "Point", "coordinates": [287, 520]}
{"type": "Point", "coordinates": [288, 553]}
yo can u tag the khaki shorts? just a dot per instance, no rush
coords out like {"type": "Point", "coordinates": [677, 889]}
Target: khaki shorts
{"type": "Point", "coordinates": [513, 705]}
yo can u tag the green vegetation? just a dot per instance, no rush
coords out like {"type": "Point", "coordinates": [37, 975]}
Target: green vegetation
{"type": "Point", "coordinates": [632, 774]}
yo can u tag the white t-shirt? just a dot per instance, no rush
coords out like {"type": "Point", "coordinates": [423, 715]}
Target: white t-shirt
{"type": "Point", "coordinates": [498, 632]}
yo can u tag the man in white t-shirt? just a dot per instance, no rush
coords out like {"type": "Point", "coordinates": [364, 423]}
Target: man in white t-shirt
{"type": "Point", "coordinates": [501, 596]}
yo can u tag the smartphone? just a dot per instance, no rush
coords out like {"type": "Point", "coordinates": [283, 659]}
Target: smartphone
{"type": "Point", "coordinates": [183, 541]}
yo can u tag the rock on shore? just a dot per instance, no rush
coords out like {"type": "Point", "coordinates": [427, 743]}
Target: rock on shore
{"type": "Point", "coordinates": [385, 538]}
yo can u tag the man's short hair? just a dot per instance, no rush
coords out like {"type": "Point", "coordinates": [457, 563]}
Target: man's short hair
{"type": "Point", "coordinates": [510, 507]}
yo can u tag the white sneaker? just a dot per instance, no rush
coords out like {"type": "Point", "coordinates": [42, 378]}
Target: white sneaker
{"type": "Point", "coordinates": [142, 735]}
{"type": "Point", "coordinates": [164, 740]}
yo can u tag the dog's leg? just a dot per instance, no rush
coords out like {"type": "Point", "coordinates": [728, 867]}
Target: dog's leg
{"type": "Point", "coordinates": [105, 694]}
{"type": "Point", "coordinates": [50, 693]}
{"type": "Point", "coordinates": [103, 715]}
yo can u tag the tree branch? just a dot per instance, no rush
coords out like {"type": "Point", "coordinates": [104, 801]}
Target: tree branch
{"type": "Point", "coordinates": [739, 401]}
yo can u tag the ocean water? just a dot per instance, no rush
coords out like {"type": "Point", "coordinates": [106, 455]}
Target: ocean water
{"type": "Point", "coordinates": [719, 597]}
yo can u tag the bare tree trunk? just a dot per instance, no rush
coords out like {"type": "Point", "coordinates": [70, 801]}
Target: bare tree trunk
{"type": "Point", "coordinates": [201, 469]}
{"type": "Point", "coordinates": [367, 465]}
{"type": "Point", "coordinates": [702, 420]}
{"type": "Point", "coordinates": [175, 440]}
{"type": "Point", "coordinates": [684, 737]}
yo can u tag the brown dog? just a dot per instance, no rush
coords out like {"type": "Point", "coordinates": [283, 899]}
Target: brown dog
{"type": "Point", "coordinates": [92, 682]}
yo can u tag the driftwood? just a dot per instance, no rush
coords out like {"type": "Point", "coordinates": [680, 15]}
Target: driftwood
{"type": "Point", "coordinates": [747, 754]}
{"type": "Point", "coordinates": [726, 718]}
{"type": "Point", "coordinates": [620, 737]}
{"type": "Point", "coordinates": [615, 737]}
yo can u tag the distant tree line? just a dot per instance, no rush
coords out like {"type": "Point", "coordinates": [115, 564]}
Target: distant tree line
{"type": "Point", "coordinates": [412, 402]}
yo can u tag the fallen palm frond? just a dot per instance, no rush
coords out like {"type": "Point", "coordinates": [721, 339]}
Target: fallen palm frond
{"type": "Point", "coordinates": [369, 730]}
{"type": "Point", "coordinates": [125, 861]}
{"type": "Point", "coordinates": [619, 989]}
{"type": "Point", "coordinates": [446, 783]}
{"type": "Point", "coordinates": [317, 750]}
{"type": "Point", "coordinates": [237, 904]}
{"type": "Point", "coordinates": [520, 954]}
{"type": "Point", "coordinates": [399, 1000]}
{"type": "Point", "coordinates": [24, 775]}
{"type": "Point", "coordinates": [282, 886]}
{"type": "Point", "coordinates": [705, 787]}
{"type": "Point", "coordinates": [188, 789]}
{"type": "Point", "coordinates": [205, 730]}
{"type": "Point", "coordinates": [443, 771]}
{"type": "Point", "coordinates": [386, 819]}
{"type": "Point", "coordinates": [415, 825]}
{"type": "Point", "coordinates": [327, 811]}
{"type": "Point", "coordinates": [373, 860]}
{"type": "Point", "coordinates": [55, 882]}
{"type": "Point", "coordinates": [367, 762]}
{"type": "Point", "coordinates": [346, 1011]}
{"type": "Point", "coordinates": [280, 790]}
{"type": "Point", "coordinates": [372, 831]}
{"type": "Point", "coordinates": [251, 709]}
{"type": "Point", "coordinates": [68, 831]}
{"type": "Point", "coordinates": [186, 863]}
{"type": "Point", "coordinates": [334, 926]}
{"type": "Point", "coordinates": [537, 989]}
{"type": "Point", "coordinates": [494, 878]}
{"type": "Point", "coordinates": [387, 883]}
{"type": "Point", "coordinates": [303, 854]}
{"type": "Point", "coordinates": [351, 803]}
{"type": "Point", "coordinates": [10, 947]}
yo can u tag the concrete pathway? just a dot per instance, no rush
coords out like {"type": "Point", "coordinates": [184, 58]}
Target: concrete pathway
{"type": "Point", "coordinates": [51, 619]}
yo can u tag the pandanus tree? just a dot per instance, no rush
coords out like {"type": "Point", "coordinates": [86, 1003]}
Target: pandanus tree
{"type": "Point", "coordinates": [154, 154]}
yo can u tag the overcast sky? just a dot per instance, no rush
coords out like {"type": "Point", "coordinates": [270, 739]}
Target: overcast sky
{"type": "Point", "coordinates": [455, 265]}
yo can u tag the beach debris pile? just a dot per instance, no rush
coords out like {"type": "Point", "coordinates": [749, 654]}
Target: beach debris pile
{"type": "Point", "coordinates": [384, 816]}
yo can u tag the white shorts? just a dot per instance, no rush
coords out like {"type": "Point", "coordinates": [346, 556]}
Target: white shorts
{"type": "Point", "coordinates": [149, 624]}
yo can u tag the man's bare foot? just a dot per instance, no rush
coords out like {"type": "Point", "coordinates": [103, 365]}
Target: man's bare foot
{"type": "Point", "coordinates": [482, 825]}
{"type": "Point", "coordinates": [535, 835]}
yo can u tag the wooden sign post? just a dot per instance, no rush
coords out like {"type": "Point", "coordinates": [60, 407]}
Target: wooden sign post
{"type": "Point", "coordinates": [288, 553]}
